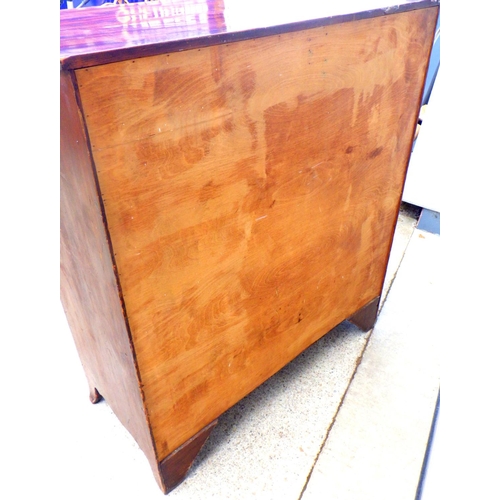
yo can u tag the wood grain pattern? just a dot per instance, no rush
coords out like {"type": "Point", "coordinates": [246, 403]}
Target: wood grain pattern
{"type": "Point", "coordinates": [89, 290]}
{"type": "Point", "coordinates": [251, 192]}
{"type": "Point", "coordinates": [101, 35]}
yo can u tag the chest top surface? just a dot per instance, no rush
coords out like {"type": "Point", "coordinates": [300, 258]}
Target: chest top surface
{"type": "Point", "coordinates": [110, 33]}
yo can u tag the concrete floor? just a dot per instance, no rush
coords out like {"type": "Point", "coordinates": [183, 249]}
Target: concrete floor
{"type": "Point", "coordinates": [348, 419]}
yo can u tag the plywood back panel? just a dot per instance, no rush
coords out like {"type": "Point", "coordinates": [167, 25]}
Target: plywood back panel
{"type": "Point", "coordinates": [251, 191]}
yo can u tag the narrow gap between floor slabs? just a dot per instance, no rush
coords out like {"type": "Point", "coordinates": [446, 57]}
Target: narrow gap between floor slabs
{"type": "Point", "coordinates": [414, 212]}
{"type": "Point", "coordinates": [420, 495]}
{"type": "Point", "coordinates": [358, 361]}
{"type": "Point", "coordinates": [360, 357]}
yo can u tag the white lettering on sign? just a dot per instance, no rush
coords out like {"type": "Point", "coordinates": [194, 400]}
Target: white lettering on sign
{"type": "Point", "coordinates": [169, 13]}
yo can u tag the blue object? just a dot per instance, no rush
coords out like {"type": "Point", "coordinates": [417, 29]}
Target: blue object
{"type": "Point", "coordinates": [429, 221]}
{"type": "Point", "coordinates": [91, 3]}
{"type": "Point", "coordinates": [433, 64]}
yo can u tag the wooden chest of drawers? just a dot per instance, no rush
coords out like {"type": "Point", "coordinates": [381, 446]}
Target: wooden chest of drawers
{"type": "Point", "coordinates": [229, 192]}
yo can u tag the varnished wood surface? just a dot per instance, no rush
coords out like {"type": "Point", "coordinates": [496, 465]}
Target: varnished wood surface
{"type": "Point", "coordinates": [98, 35]}
{"type": "Point", "coordinates": [251, 191]}
{"type": "Point", "coordinates": [89, 290]}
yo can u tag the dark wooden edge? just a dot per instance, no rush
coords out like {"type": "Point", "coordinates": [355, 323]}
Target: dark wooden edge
{"type": "Point", "coordinates": [174, 467]}
{"type": "Point", "coordinates": [366, 317]}
{"type": "Point", "coordinates": [144, 444]}
{"type": "Point", "coordinates": [90, 289]}
{"type": "Point", "coordinates": [410, 145]}
{"type": "Point", "coordinates": [177, 45]}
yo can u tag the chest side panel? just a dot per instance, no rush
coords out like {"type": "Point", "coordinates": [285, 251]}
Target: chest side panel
{"type": "Point", "coordinates": [251, 191]}
{"type": "Point", "coordinates": [89, 289]}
